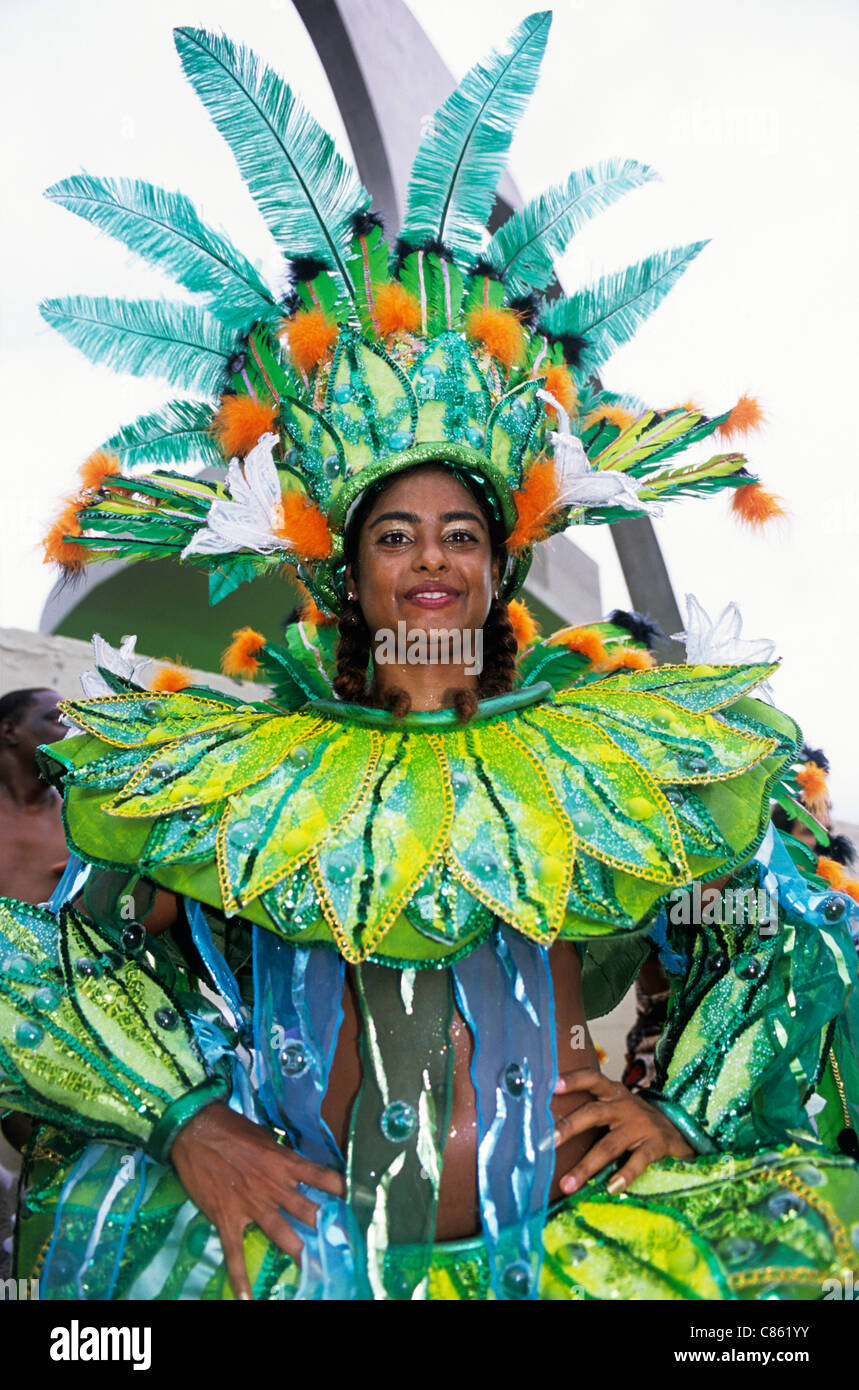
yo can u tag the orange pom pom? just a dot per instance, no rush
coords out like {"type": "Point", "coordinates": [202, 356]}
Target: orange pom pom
{"type": "Point", "coordinates": [523, 622]}
{"type": "Point", "coordinates": [57, 548]}
{"type": "Point", "coordinates": [170, 678]}
{"type": "Point", "coordinates": [241, 422]}
{"type": "Point", "coordinates": [302, 525]}
{"type": "Point", "coordinates": [745, 416]}
{"type": "Point", "coordinates": [851, 886]}
{"type": "Point", "coordinates": [310, 612]}
{"type": "Point", "coordinates": [614, 414]}
{"type": "Point", "coordinates": [535, 503]}
{"type": "Point", "coordinates": [755, 507]}
{"type": "Point", "coordinates": [240, 658]}
{"type": "Point", "coordinates": [583, 640]}
{"type": "Point", "coordinates": [310, 335]}
{"type": "Point", "coordinates": [831, 871]}
{"type": "Point", "coordinates": [560, 384]}
{"type": "Point", "coordinates": [628, 659]}
{"type": "Point", "coordinates": [500, 331]}
{"type": "Point", "coordinates": [815, 791]}
{"type": "Point", "coordinates": [397, 311]}
{"type": "Point", "coordinates": [97, 467]}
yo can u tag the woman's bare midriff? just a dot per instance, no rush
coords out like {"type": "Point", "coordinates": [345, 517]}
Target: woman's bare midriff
{"type": "Point", "coordinates": [458, 1206]}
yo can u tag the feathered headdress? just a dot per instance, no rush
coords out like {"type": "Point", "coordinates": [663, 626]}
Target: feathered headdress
{"type": "Point", "coordinates": [447, 351]}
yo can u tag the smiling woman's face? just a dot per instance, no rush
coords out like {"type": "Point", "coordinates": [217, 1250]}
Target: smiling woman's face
{"type": "Point", "coordinates": [424, 555]}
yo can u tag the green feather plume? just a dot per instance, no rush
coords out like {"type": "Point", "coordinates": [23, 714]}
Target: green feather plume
{"type": "Point", "coordinates": [179, 342]}
{"type": "Point", "coordinates": [610, 312]}
{"type": "Point", "coordinates": [165, 229]}
{"type": "Point", "coordinates": [462, 156]}
{"type": "Point", "coordinates": [180, 432]}
{"type": "Point", "coordinates": [306, 192]}
{"type": "Point", "coordinates": [523, 250]}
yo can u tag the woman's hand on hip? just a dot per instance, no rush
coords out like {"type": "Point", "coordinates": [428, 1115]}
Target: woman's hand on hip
{"type": "Point", "coordinates": [632, 1127]}
{"type": "Point", "coordinates": [239, 1176]}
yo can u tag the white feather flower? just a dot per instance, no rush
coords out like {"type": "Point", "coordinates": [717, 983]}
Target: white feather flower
{"type": "Point", "coordinates": [247, 521]}
{"type": "Point", "coordinates": [583, 486]}
{"type": "Point", "coordinates": [718, 643]}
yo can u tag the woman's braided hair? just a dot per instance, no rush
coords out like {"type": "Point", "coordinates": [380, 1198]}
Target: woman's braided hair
{"type": "Point", "coordinates": [354, 647]}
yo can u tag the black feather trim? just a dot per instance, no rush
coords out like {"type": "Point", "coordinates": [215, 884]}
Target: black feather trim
{"type": "Point", "coordinates": [364, 222]}
{"type": "Point", "coordinates": [293, 616]}
{"type": "Point", "coordinates": [527, 306]}
{"type": "Point", "coordinates": [404, 249]}
{"type": "Point", "coordinates": [572, 344]}
{"type": "Point", "coordinates": [306, 268]}
{"type": "Point", "coordinates": [814, 755]}
{"type": "Point", "coordinates": [484, 267]}
{"type": "Point", "coordinates": [841, 849]}
{"type": "Point", "coordinates": [640, 626]}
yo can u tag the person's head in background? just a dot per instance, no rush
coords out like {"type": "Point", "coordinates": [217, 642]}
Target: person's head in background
{"type": "Point", "coordinates": [28, 718]}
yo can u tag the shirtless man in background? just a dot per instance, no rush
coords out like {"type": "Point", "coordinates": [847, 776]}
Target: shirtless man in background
{"type": "Point", "coordinates": [33, 855]}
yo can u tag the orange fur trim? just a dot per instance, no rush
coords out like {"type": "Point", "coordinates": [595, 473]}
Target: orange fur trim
{"type": "Point", "coordinates": [535, 503]}
{"type": "Point", "coordinates": [815, 790]}
{"type": "Point", "coordinates": [241, 422]}
{"type": "Point", "coordinates": [310, 612]}
{"type": "Point", "coordinates": [745, 416]}
{"type": "Point", "coordinates": [397, 311]}
{"type": "Point", "coordinates": [614, 414]}
{"type": "Point", "coordinates": [583, 640]}
{"type": "Point", "coordinates": [97, 467]}
{"type": "Point", "coordinates": [57, 547]}
{"type": "Point", "coordinates": [170, 678]}
{"type": "Point", "coordinates": [302, 525]}
{"type": "Point", "coordinates": [500, 331]}
{"type": "Point", "coordinates": [560, 384]}
{"type": "Point", "coordinates": [831, 870]}
{"type": "Point", "coordinates": [310, 335]}
{"type": "Point", "coordinates": [628, 659]}
{"type": "Point", "coordinates": [752, 505]}
{"type": "Point", "coordinates": [240, 658]}
{"type": "Point", "coordinates": [851, 886]}
{"type": "Point", "coordinates": [524, 623]}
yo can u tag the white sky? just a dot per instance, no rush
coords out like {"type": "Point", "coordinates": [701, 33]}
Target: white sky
{"type": "Point", "coordinates": [747, 108]}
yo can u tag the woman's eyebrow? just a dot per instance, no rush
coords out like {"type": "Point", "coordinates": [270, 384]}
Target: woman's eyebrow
{"type": "Point", "coordinates": [415, 519]}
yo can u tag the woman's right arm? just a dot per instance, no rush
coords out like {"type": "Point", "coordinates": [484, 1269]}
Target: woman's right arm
{"type": "Point", "coordinates": [238, 1175]}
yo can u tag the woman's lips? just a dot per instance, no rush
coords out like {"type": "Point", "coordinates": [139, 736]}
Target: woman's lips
{"type": "Point", "coordinates": [431, 597]}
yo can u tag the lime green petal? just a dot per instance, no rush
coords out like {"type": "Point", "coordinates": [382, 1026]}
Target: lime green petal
{"type": "Point", "coordinates": [369, 866]}
{"type": "Point", "coordinates": [674, 745]}
{"type": "Point", "coordinates": [130, 721]}
{"type": "Point", "coordinates": [271, 827]}
{"type": "Point", "coordinates": [511, 844]}
{"type": "Point", "coordinates": [210, 766]}
{"type": "Point", "coordinates": [617, 811]}
{"type": "Point", "coordinates": [697, 688]}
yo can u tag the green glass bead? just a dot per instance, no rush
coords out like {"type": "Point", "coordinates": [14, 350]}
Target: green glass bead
{"type": "Point", "coordinates": [28, 1035]}
{"type": "Point", "coordinates": [834, 908]}
{"type": "Point", "coordinates": [18, 966]}
{"type": "Point", "coordinates": [47, 998]}
{"type": "Point", "coordinates": [514, 1080]}
{"type": "Point", "coordinates": [516, 1280]}
{"type": "Point", "coordinates": [166, 1019]}
{"type": "Point", "coordinates": [331, 466]}
{"type": "Point", "coordinates": [294, 1059]}
{"type": "Point", "coordinates": [133, 937]}
{"type": "Point", "coordinates": [242, 834]}
{"type": "Point", "coordinates": [299, 756]}
{"type": "Point", "coordinates": [401, 440]}
{"type": "Point", "coordinates": [399, 1121]}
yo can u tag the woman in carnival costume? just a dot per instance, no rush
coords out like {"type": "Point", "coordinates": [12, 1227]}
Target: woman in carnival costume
{"type": "Point", "coordinates": [407, 886]}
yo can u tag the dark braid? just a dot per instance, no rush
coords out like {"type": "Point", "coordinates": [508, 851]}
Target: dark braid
{"type": "Point", "coordinates": [499, 652]}
{"type": "Point", "coordinates": [353, 653]}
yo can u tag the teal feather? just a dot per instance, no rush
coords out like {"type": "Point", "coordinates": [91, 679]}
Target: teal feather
{"type": "Point", "coordinates": [306, 192]}
{"type": "Point", "coordinates": [165, 229]}
{"type": "Point", "coordinates": [610, 312]}
{"type": "Point", "coordinates": [463, 153]}
{"type": "Point", "coordinates": [179, 342]}
{"type": "Point", "coordinates": [523, 250]}
{"type": "Point", "coordinates": [180, 432]}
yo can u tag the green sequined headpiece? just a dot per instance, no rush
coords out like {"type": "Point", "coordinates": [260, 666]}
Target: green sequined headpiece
{"type": "Point", "coordinates": [452, 350]}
